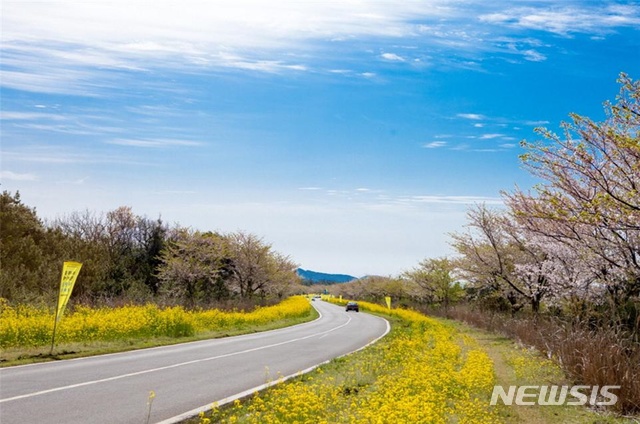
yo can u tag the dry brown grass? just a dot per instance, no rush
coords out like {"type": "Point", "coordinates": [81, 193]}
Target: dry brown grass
{"type": "Point", "coordinates": [603, 356]}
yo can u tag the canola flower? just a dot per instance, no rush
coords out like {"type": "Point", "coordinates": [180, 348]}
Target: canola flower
{"type": "Point", "coordinates": [28, 326]}
{"type": "Point", "coordinates": [422, 372]}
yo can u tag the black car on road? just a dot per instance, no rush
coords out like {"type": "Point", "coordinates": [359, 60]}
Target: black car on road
{"type": "Point", "coordinates": [352, 306]}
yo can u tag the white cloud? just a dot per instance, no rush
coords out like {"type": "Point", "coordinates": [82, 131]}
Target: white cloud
{"type": "Point", "coordinates": [534, 56]}
{"type": "Point", "coordinates": [29, 116]}
{"type": "Point", "coordinates": [490, 136]}
{"type": "Point", "coordinates": [566, 20]}
{"type": "Point", "coordinates": [50, 80]}
{"type": "Point", "coordinates": [472, 116]}
{"type": "Point", "coordinates": [434, 144]}
{"type": "Point", "coordinates": [241, 23]}
{"type": "Point", "coordinates": [14, 176]}
{"type": "Point", "coordinates": [392, 57]}
{"type": "Point", "coordinates": [50, 154]}
{"type": "Point", "coordinates": [119, 34]}
{"type": "Point", "coordinates": [536, 123]}
{"type": "Point", "coordinates": [69, 46]}
{"type": "Point", "coordinates": [153, 143]}
{"type": "Point", "coordinates": [464, 200]}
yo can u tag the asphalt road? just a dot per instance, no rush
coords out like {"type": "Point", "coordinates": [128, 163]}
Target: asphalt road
{"type": "Point", "coordinates": [186, 378]}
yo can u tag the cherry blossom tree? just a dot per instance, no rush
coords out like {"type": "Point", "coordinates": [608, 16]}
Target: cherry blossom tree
{"type": "Point", "coordinates": [590, 198]}
{"type": "Point", "coordinates": [497, 257]}
{"type": "Point", "coordinates": [195, 267]}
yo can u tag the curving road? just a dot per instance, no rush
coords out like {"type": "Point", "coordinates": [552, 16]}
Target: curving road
{"type": "Point", "coordinates": [186, 378]}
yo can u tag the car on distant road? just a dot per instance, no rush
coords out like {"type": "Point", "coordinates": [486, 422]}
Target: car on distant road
{"type": "Point", "coordinates": [352, 306]}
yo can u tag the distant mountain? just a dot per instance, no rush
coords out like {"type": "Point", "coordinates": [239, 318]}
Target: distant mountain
{"type": "Point", "coordinates": [313, 277]}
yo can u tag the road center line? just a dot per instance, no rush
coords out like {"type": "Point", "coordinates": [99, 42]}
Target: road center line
{"type": "Point", "coordinates": [133, 374]}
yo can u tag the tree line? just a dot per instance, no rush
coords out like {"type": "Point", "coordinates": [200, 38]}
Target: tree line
{"type": "Point", "coordinates": [132, 258]}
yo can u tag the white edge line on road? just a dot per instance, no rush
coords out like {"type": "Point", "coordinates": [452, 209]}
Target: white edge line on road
{"type": "Point", "coordinates": [248, 392]}
{"type": "Point", "coordinates": [195, 361]}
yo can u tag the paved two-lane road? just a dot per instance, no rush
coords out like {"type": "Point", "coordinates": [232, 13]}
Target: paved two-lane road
{"type": "Point", "coordinates": [115, 388]}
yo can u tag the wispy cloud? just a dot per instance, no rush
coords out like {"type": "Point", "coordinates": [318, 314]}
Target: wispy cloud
{"type": "Point", "coordinates": [15, 176]}
{"type": "Point", "coordinates": [154, 143]}
{"type": "Point", "coordinates": [374, 196]}
{"type": "Point", "coordinates": [434, 144]}
{"type": "Point", "coordinates": [490, 136]}
{"type": "Point", "coordinates": [464, 200]}
{"type": "Point", "coordinates": [73, 47]}
{"type": "Point", "coordinates": [568, 19]}
{"type": "Point", "coordinates": [262, 65]}
{"type": "Point", "coordinates": [7, 115]}
{"type": "Point", "coordinates": [245, 34]}
{"type": "Point", "coordinates": [472, 116]}
{"type": "Point", "coordinates": [62, 155]}
{"type": "Point", "coordinates": [534, 56]}
{"type": "Point", "coordinates": [393, 57]}
{"type": "Point", "coordinates": [536, 123]}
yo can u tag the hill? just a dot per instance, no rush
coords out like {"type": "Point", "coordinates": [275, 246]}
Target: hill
{"type": "Point", "coordinates": [313, 277]}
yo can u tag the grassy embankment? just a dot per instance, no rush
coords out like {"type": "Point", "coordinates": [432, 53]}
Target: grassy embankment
{"type": "Point", "coordinates": [425, 371]}
{"type": "Point", "coordinates": [25, 332]}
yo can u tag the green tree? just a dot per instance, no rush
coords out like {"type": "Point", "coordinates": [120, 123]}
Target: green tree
{"type": "Point", "coordinates": [120, 252]}
{"type": "Point", "coordinates": [435, 277]}
{"type": "Point", "coordinates": [30, 254]}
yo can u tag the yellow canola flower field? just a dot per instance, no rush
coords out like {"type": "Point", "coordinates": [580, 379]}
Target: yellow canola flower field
{"type": "Point", "coordinates": [422, 372]}
{"type": "Point", "coordinates": [27, 326]}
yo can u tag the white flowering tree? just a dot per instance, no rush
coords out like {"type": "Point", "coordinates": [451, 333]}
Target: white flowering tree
{"type": "Point", "coordinates": [497, 258]}
{"type": "Point", "coordinates": [587, 211]}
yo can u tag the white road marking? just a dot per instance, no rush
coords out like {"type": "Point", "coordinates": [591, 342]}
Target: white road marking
{"type": "Point", "coordinates": [133, 374]}
{"type": "Point", "coordinates": [190, 414]}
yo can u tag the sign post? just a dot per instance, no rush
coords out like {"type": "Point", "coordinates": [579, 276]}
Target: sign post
{"type": "Point", "coordinates": [70, 271]}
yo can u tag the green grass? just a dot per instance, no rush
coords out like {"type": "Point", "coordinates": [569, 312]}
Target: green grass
{"type": "Point", "coordinates": [520, 366]}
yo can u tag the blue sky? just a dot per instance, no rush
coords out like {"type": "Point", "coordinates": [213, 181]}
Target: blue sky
{"type": "Point", "coordinates": [351, 135]}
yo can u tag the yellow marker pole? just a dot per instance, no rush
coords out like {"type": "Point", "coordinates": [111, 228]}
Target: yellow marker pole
{"type": "Point", "coordinates": [388, 300]}
{"type": "Point", "coordinates": [70, 271]}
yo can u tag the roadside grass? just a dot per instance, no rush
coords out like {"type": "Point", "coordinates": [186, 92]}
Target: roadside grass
{"type": "Point", "coordinates": [446, 377]}
{"type": "Point", "coordinates": [521, 366]}
{"type": "Point", "coordinates": [206, 329]}
{"type": "Point", "coordinates": [589, 353]}
{"type": "Point", "coordinates": [423, 371]}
